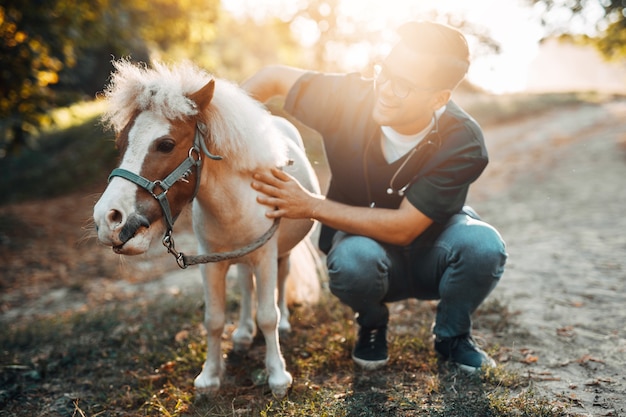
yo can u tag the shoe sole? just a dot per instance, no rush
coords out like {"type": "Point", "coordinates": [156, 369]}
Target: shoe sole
{"type": "Point", "coordinates": [370, 365]}
{"type": "Point", "coordinates": [473, 369]}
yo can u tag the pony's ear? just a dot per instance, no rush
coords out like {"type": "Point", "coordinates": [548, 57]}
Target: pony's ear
{"type": "Point", "coordinates": [203, 96]}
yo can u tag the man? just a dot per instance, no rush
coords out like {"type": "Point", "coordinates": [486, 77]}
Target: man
{"type": "Point", "coordinates": [402, 157]}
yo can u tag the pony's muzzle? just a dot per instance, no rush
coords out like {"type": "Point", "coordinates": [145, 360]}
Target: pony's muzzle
{"type": "Point", "coordinates": [133, 223]}
{"type": "Point", "coordinates": [115, 228]}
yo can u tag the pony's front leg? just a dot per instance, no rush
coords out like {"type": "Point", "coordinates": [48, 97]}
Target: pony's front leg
{"type": "Point", "coordinates": [284, 327]}
{"type": "Point", "coordinates": [244, 334]}
{"type": "Point", "coordinates": [214, 277]}
{"type": "Point", "coordinates": [267, 318]}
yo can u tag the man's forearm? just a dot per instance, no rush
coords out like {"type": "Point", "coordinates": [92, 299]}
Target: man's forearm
{"type": "Point", "coordinates": [395, 226]}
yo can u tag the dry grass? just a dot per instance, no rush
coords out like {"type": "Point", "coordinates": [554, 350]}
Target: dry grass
{"type": "Point", "coordinates": [140, 360]}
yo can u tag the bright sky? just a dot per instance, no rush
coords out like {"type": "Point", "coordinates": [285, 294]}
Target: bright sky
{"type": "Point", "coordinates": [512, 23]}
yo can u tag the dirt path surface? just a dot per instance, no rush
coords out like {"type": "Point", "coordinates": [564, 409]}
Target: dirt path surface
{"type": "Point", "coordinates": [554, 189]}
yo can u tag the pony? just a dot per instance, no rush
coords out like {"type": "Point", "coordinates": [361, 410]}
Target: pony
{"type": "Point", "coordinates": [186, 137]}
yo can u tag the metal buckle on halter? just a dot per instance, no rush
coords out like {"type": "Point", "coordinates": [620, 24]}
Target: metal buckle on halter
{"type": "Point", "coordinates": [158, 183]}
{"type": "Point", "coordinates": [197, 152]}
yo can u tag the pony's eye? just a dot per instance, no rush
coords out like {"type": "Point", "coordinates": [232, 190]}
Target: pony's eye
{"type": "Point", "coordinates": [165, 146]}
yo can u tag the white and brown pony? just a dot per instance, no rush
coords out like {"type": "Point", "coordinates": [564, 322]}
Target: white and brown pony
{"type": "Point", "coordinates": [187, 137]}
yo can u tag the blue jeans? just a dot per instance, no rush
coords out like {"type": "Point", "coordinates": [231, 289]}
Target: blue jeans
{"type": "Point", "coordinates": [459, 266]}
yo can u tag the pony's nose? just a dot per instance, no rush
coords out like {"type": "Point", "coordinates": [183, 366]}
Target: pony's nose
{"type": "Point", "coordinates": [114, 219]}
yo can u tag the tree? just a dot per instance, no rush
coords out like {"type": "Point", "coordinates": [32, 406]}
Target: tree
{"type": "Point", "coordinates": [43, 42]}
{"type": "Point", "coordinates": [37, 39]}
{"type": "Point", "coordinates": [606, 17]}
{"type": "Point", "coordinates": [338, 31]}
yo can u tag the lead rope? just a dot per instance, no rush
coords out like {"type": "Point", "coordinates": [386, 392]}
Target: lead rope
{"type": "Point", "coordinates": [184, 261]}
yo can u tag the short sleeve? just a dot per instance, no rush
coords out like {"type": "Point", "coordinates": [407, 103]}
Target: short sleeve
{"type": "Point", "coordinates": [441, 189]}
{"type": "Point", "coordinates": [442, 193]}
{"type": "Point", "coordinates": [327, 102]}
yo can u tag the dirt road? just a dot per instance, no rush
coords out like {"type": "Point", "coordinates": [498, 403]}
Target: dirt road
{"type": "Point", "coordinates": [556, 190]}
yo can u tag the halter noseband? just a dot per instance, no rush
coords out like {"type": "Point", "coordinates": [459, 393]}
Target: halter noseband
{"type": "Point", "coordinates": [194, 159]}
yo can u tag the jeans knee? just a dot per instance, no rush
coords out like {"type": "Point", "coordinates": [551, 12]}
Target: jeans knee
{"type": "Point", "coordinates": [486, 248]}
{"type": "Point", "coordinates": [357, 267]}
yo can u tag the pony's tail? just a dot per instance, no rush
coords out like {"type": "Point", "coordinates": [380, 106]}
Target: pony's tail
{"type": "Point", "coordinates": [306, 274]}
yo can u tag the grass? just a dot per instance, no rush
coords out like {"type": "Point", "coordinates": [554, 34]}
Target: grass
{"type": "Point", "coordinates": [140, 359]}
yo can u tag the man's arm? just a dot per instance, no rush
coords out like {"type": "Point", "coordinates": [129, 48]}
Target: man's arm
{"type": "Point", "coordinates": [395, 226]}
{"type": "Point", "coordinates": [270, 81]}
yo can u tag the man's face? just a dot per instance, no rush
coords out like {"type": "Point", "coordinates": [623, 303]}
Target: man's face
{"type": "Point", "coordinates": [406, 96]}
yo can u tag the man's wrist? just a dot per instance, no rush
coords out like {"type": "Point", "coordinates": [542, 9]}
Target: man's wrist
{"type": "Point", "coordinates": [316, 208]}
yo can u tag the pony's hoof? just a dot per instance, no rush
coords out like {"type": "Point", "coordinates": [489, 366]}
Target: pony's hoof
{"type": "Point", "coordinates": [280, 389]}
{"type": "Point", "coordinates": [206, 386]}
{"type": "Point", "coordinates": [205, 393]}
{"type": "Point", "coordinates": [283, 335]}
{"type": "Point", "coordinates": [284, 328]}
{"type": "Point", "coordinates": [242, 341]}
{"type": "Point", "coordinates": [280, 392]}
{"type": "Point", "coordinates": [241, 346]}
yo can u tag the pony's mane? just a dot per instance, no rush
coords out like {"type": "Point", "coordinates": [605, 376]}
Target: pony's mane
{"type": "Point", "coordinates": [240, 127]}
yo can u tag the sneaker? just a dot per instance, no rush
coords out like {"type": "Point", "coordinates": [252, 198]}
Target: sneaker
{"type": "Point", "coordinates": [370, 350]}
{"type": "Point", "coordinates": [463, 351]}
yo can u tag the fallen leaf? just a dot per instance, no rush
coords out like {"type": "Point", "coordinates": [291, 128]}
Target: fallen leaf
{"type": "Point", "coordinates": [567, 331]}
{"type": "Point", "coordinates": [167, 367]}
{"type": "Point", "coordinates": [592, 382]}
{"type": "Point", "coordinates": [181, 336]}
{"type": "Point", "coordinates": [528, 359]}
{"type": "Point", "coordinates": [588, 358]}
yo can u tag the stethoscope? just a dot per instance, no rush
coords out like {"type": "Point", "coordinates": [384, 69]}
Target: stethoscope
{"type": "Point", "coordinates": [425, 148]}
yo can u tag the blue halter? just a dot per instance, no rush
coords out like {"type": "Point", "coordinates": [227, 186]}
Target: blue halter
{"type": "Point", "coordinates": [194, 159]}
{"type": "Point", "coordinates": [180, 174]}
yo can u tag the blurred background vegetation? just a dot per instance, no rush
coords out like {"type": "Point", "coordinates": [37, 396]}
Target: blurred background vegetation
{"type": "Point", "coordinates": [56, 53]}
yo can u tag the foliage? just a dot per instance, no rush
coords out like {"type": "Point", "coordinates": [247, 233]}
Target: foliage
{"type": "Point", "coordinates": [42, 43]}
{"type": "Point", "coordinates": [611, 26]}
{"type": "Point", "coordinates": [242, 46]}
{"type": "Point", "coordinates": [37, 40]}
{"type": "Point", "coordinates": [329, 33]}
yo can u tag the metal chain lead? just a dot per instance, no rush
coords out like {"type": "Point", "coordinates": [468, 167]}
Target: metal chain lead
{"type": "Point", "coordinates": [168, 242]}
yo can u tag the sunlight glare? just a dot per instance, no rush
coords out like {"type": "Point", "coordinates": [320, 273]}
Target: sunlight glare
{"type": "Point", "coordinates": [509, 22]}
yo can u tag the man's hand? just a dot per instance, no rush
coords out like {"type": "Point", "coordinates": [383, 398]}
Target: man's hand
{"type": "Point", "coordinates": [396, 226]}
{"type": "Point", "coordinates": [285, 193]}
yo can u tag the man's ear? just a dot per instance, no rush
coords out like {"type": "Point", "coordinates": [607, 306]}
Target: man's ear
{"type": "Point", "coordinates": [440, 99]}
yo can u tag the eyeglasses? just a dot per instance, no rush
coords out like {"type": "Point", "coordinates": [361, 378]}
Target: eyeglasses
{"type": "Point", "coordinates": [401, 88]}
